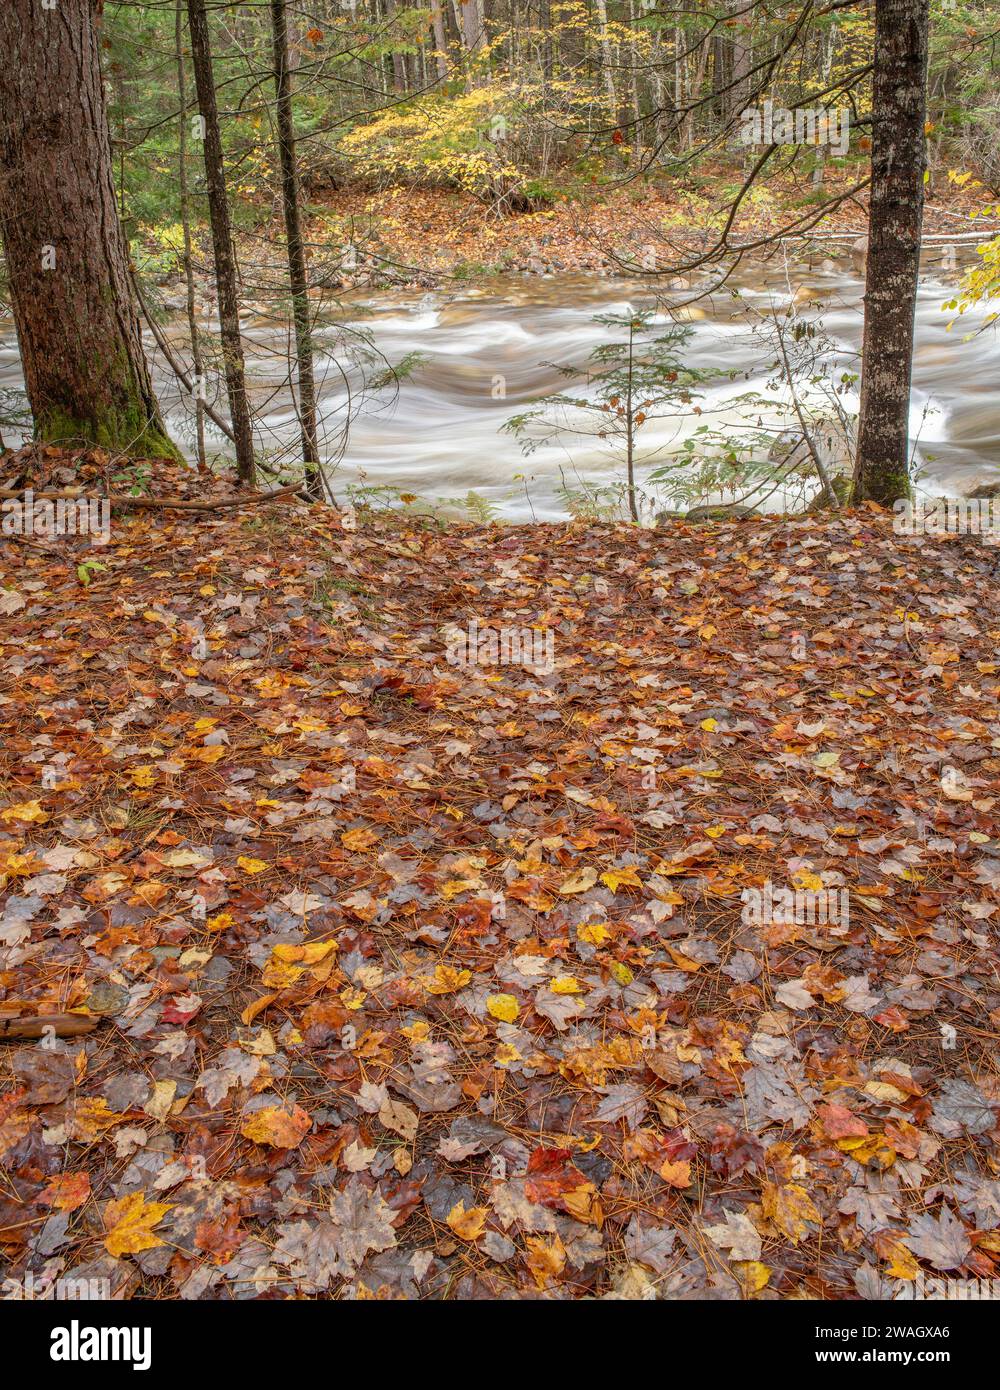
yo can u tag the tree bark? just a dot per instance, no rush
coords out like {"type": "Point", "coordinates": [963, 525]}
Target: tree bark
{"type": "Point", "coordinates": [399, 81]}
{"type": "Point", "coordinates": [899, 105]}
{"type": "Point", "coordinates": [440, 42]}
{"type": "Point", "coordinates": [297, 276]}
{"type": "Point", "coordinates": [742, 62]}
{"type": "Point", "coordinates": [185, 206]}
{"type": "Point", "coordinates": [222, 241]}
{"type": "Point", "coordinates": [472, 24]}
{"type": "Point", "coordinates": [81, 345]}
{"type": "Point", "coordinates": [605, 59]}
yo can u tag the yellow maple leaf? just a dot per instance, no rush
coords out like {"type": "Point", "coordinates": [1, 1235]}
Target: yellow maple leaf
{"type": "Point", "coordinates": [594, 932]}
{"type": "Point", "coordinates": [308, 954]}
{"type": "Point", "coordinates": [754, 1274]}
{"type": "Point", "coordinates": [274, 1125]}
{"type": "Point", "coordinates": [454, 886]}
{"type": "Point", "coordinates": [676, 1174]}
{"type": "Point", "coordinates": [506, 1055]}
{"type": "Point", "coordinates": [467, 1225]}
{"type": "Point", "coordinates": [362, 838]}
{"type": "Point", "coordinates": [251, 866]}
{"type": "Point", "coordinates": [88, 1117]}
{"type": "Point", "coordinates": [23, 865]}
{"type": "Point", "coordinates": [546, 1259]}
{"type": "Point", "coordinates": [308, 725]}
{"type": "Point", "coordinates": [621, 878]}
{"type": "Point", "coordinates": [446, 980]}
{"type": "Point", "coordinates": [565, 984]}
{"type": "Point", "coordinates": [502, 1006]}
{"type": "Point", "coordinates": [209, 755]}
{"type": "Point", "coordinates": [26, 811]}
{"type": "Point", "coordinates": [578, 882]}
{"type": "Point", "coordinates": [279, 974]}
{"type": "Point", "coordinates": [257, 1007]}
{"type": "Point", "coordinates": [902, 1262]}
{"type": "Point", "coordinates": [790, 1208]}
{"type": "Point", "coordinates": [584, 1204]}
{"type": "Point", "coordinates": [272, 684]}
{"type": "Point", "coordinates": [129, 1222]}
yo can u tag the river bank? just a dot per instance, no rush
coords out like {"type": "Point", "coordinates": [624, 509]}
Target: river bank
{"type": "Point", "coordinates": [417, 383]}
{"type": "Point", "coordinates": [467, 946]}
{"type": "Point", "coordinates": [400, 236]}
{"type": "Point", "coordinates": [427, 236]}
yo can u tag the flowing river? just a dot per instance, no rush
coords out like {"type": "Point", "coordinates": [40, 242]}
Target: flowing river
{"type": "Point", "coordinates": [486, 351]}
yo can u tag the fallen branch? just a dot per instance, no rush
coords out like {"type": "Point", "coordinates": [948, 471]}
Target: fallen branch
{"type": "Point", "coordinates": [181, 504]}
{"type": "Point", "coordinates": [41, 1025]}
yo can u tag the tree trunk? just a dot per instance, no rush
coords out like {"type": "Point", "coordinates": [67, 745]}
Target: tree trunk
{"type": "Point", "coordinates": [742, 61]}
{"type": "Point", "coordinates": [297, 277]}
{"type": "Point", "coordinates": [630, 428]}
{"type": "Point", "coordinates": [399, 82]}
{"type": "Point", "coordinates": [81, 345]}
{"type": "Point", "coordinates": [222, 241]}
{"type": "Point", "coordinates": [607, 69]}
{"type": "Point", "coordinates": [198, 369]}
{"type": "Point", "coordinates": [696, 76]}
{"type": "Point", "coordinates": [899, 107]}
{"type": "Point", "coordinates": [827, 47]}
{"type": "Point", "coordinates": [440, 42]}
{"type": "Point", "coordinates": [472, 24]}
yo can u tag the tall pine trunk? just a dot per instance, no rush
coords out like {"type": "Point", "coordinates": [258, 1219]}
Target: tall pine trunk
{"type": "Point", "coordinates": [185, 205]}
{"type": "Point", "coordinates": [899, 106]}
{"type": "Point", "coordinates": [67, 260]}
{"type": "Point", "coordinates": [222, 241]}
{"type": "Point", "coordinates": [297, 277]}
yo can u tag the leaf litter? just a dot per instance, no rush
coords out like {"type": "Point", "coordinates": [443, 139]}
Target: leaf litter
{"type": "Point", "coordinates": [423, 980]}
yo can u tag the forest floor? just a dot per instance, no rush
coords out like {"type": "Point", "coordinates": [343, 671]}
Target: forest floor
{"type": "Point", "coordinates": [404, 233]}
{"type": "Point", "coordinates": [412, 979]}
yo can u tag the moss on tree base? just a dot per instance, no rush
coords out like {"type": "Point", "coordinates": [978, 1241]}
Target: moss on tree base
{"type": "Point", "coordinates": [129, 432]}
